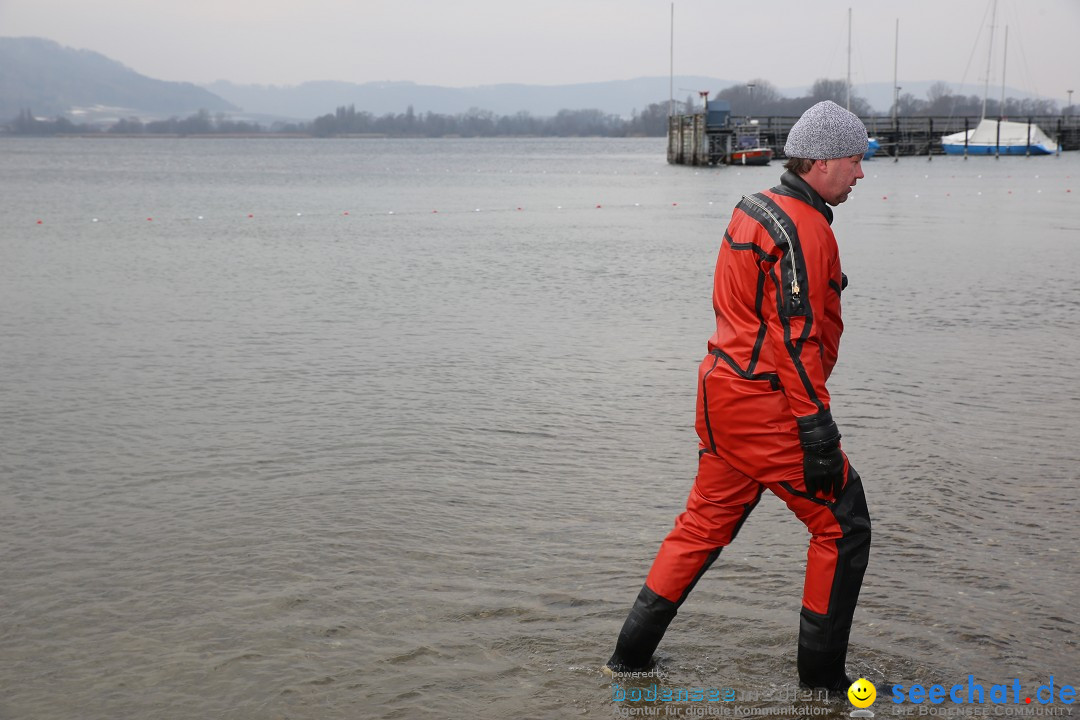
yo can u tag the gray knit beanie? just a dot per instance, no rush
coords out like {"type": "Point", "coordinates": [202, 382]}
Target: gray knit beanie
{"type": "Point", "coordinates": [825, 132]}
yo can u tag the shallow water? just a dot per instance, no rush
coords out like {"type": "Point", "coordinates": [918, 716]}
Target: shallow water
{"type": "Point", "coordinates": [368, 440]}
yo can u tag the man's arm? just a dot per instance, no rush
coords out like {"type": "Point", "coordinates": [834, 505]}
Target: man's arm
{"type": "Point", "coordinates": [803, 324]}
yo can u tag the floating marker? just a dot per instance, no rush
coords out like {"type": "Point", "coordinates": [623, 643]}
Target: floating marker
{"type": "Point", "coordinates": [38, 222]}
{"type": "Point", "coordinates": [199, 218]}
{"type": "Point", "coordinates": [94, 220]}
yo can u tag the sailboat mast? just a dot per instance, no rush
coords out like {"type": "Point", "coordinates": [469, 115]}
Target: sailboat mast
{"type": "Point", "coordinates": [989, 57]}
{"type": "Point", "coordinates": [895, 66]}
{"type": "Point", "coordinates": [671, 78]}
{"type": "Point", "coordinates": [848, 106]}
{"type": "Point", "coordinates": [1004, 58]}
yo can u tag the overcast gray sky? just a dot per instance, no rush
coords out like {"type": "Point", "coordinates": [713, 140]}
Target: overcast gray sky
{"type": "Point", "coordinates": [464, 43]}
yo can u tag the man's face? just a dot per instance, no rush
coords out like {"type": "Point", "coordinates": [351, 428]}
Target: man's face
{"type": "Point", "coordinates": [840, 176]}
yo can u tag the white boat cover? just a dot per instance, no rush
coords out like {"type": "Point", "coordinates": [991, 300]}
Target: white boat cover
{"type": "Point", "coordinates": [1012, 134]}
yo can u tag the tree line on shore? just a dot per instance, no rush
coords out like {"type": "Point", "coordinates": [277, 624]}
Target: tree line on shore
{"type": "Point", "coordinates": [761, 98]}
{"type": "Point", "coordinates": [652, 122]}
{"type": "Point", "coordinates": [756, 98]}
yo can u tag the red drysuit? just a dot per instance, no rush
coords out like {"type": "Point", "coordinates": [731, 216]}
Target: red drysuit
{"type": "Point", "coordinates": [776, 295]}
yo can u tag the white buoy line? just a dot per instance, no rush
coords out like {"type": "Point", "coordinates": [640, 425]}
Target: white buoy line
{"type": "Point", "coordinates": [241, 217]}
{"type": "Point", "coordinates": [950, 194]}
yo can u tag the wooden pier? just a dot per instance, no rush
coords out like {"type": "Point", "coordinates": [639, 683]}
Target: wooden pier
{"type": "Point", "coordinates": [692, 140]}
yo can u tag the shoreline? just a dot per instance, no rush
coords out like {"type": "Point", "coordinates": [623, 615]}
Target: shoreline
{"type": "Point", "coordinates": [308, 136]}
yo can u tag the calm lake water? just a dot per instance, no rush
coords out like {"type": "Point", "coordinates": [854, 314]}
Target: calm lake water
{"type": "Point", "coordinates": [392, 429]}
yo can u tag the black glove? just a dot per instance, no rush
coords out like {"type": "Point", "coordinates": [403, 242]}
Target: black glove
{"type": "Point", "coordinates": [823, 463]}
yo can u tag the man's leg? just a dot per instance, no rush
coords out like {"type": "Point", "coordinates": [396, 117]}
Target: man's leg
{"type": "Point", "coordinates": [720, 501]}
{"type": "Point", "coordinates": [835, 563]}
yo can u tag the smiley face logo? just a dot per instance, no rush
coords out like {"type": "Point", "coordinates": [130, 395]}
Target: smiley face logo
{"type": "Point", "coordinates": [862, 693]}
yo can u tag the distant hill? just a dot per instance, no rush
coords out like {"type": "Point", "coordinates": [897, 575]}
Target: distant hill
{"type": "Point", "coordinates": [311, 99]}
{"type": "Point", "coordinates": [52, 80]}
{"type": "Point", "coordinates": [85, 86]}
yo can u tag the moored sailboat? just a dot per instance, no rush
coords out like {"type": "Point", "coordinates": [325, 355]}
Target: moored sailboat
{"type": "Point", "coordinates": [872, 143]}
{"type": "Point", "coordinates": [1001, 136]}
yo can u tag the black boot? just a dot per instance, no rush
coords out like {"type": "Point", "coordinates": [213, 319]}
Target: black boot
{"type": "Point", "coordinates": [642, 631]}
{"type": "Point", "coordinates": [823, 669]}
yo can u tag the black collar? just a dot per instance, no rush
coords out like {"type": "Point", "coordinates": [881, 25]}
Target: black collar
{"type": "Point", "coordinates": [793, 185]}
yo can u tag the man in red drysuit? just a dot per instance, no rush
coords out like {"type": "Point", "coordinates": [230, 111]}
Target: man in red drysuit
{"type": "Point", "coordinates": [763, 412]}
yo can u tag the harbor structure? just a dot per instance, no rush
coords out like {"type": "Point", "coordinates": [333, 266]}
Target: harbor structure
{"type": "Point", "coordinates": [710, 137]}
